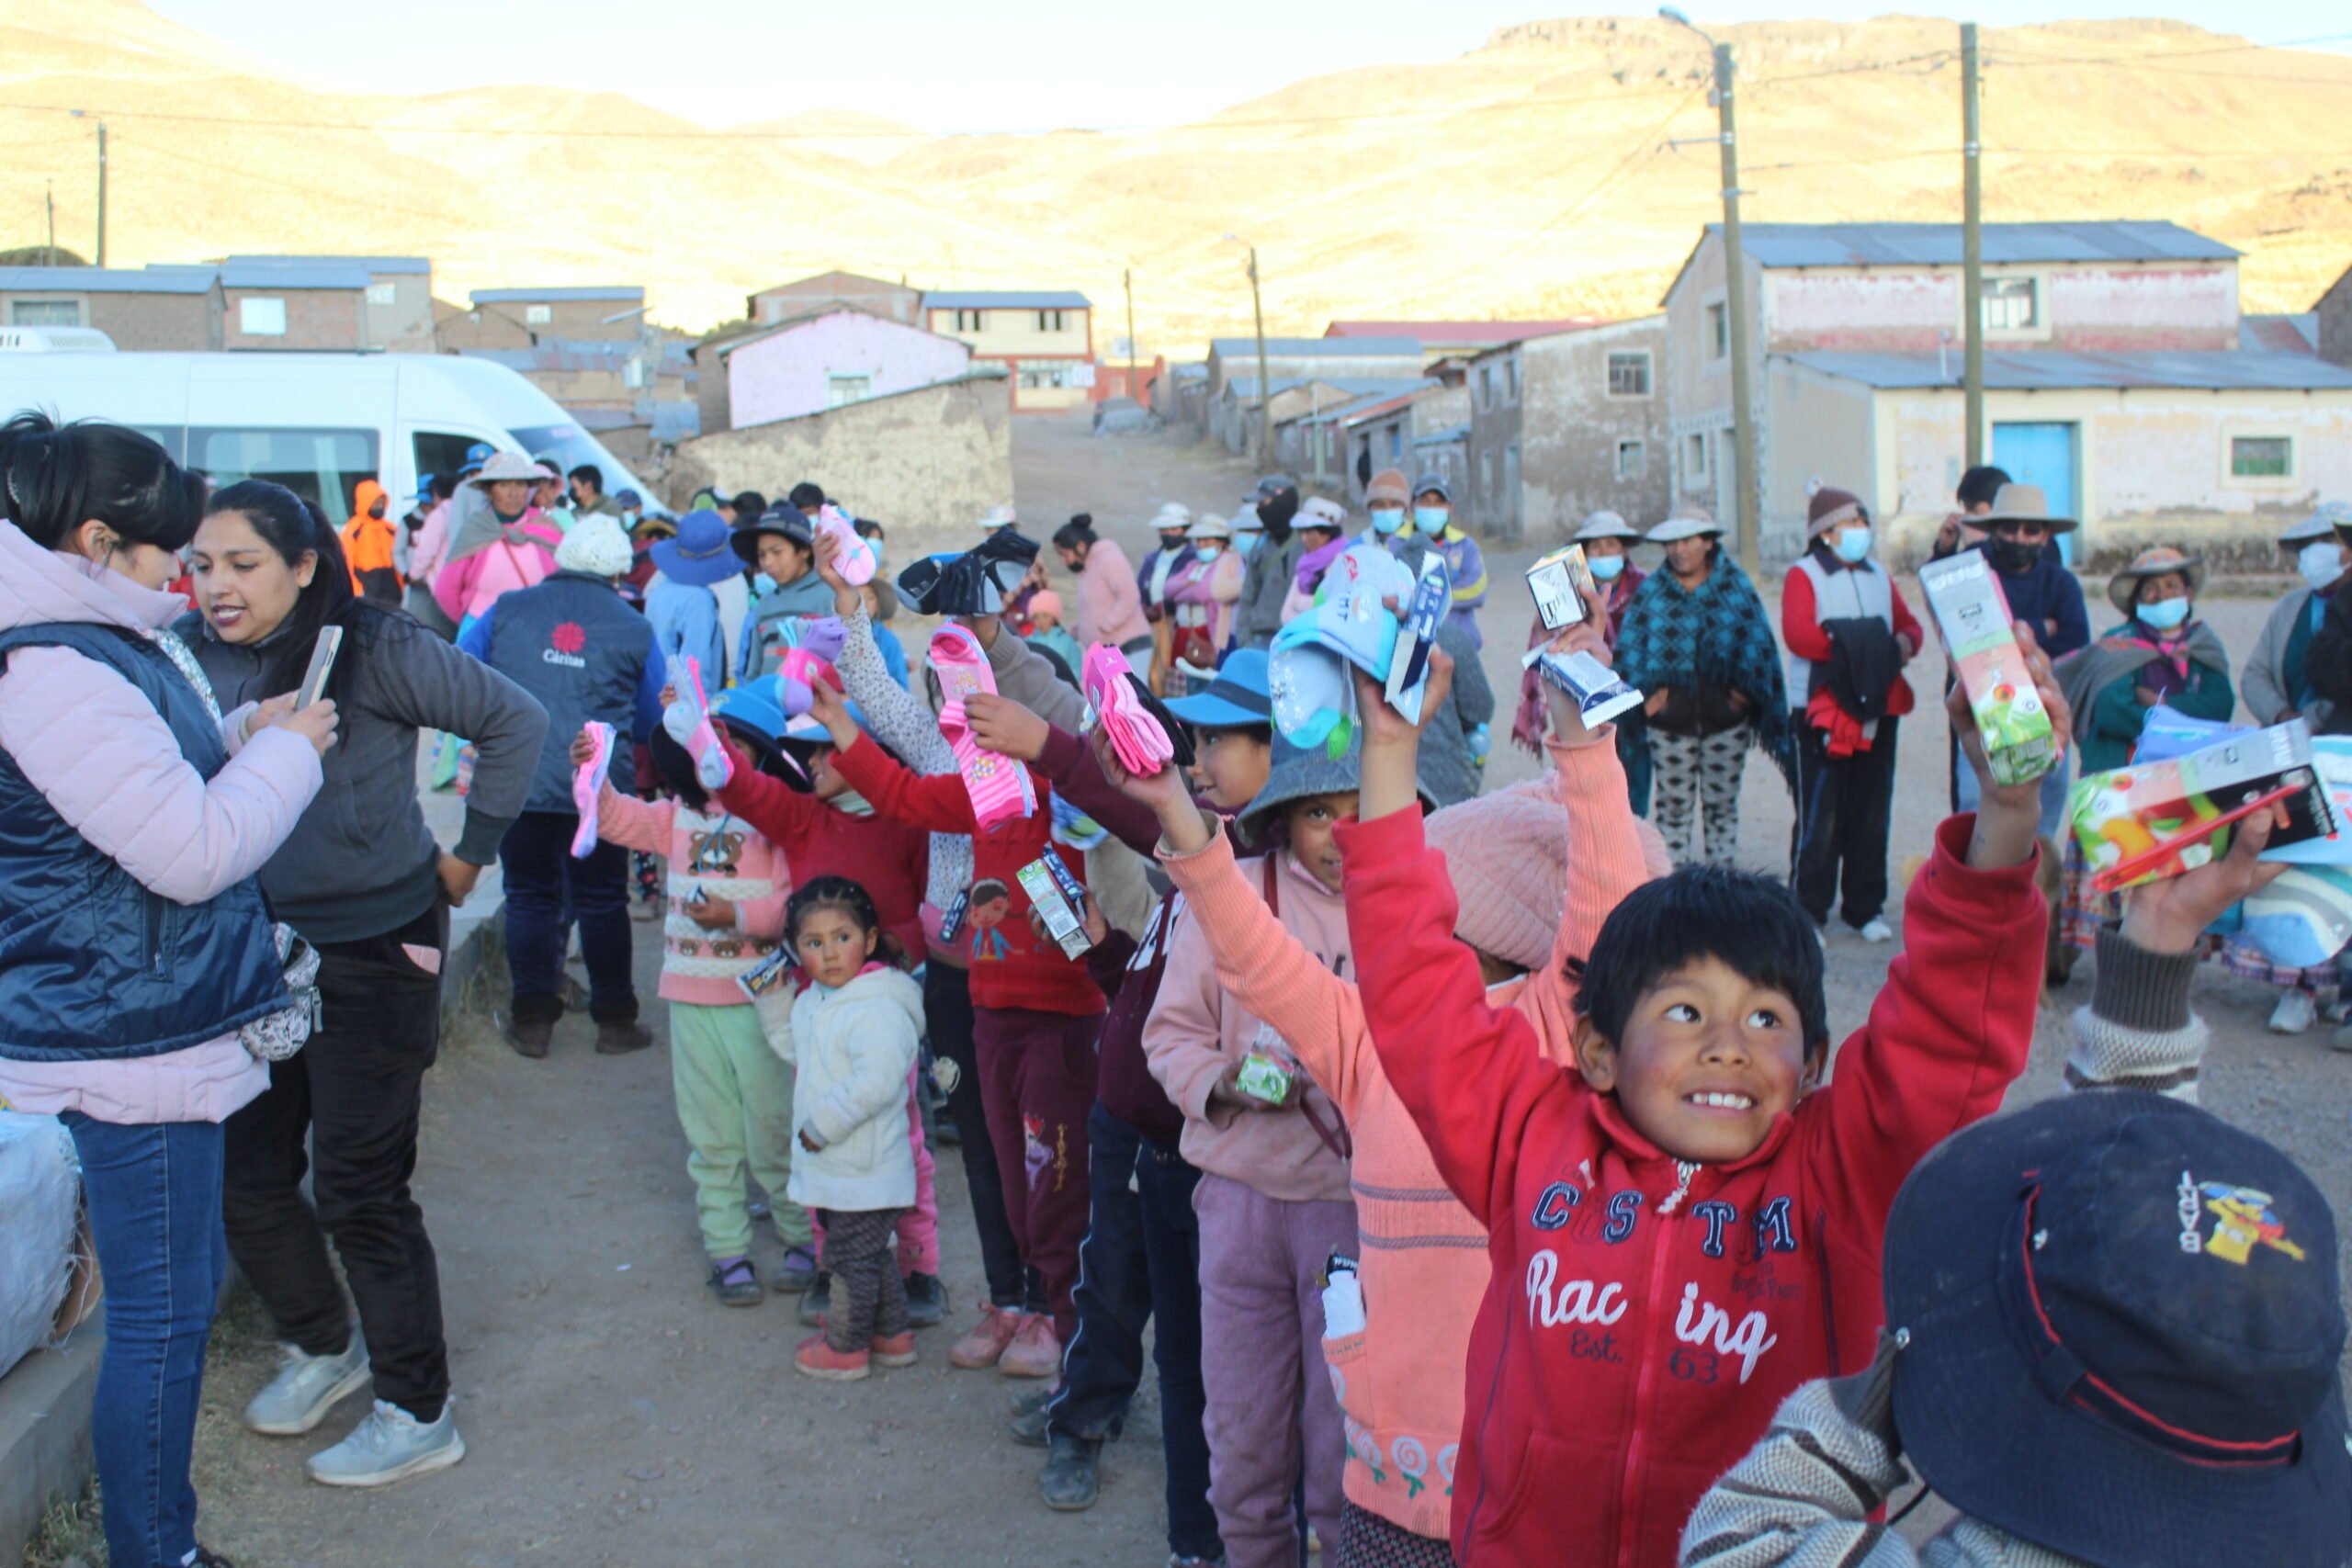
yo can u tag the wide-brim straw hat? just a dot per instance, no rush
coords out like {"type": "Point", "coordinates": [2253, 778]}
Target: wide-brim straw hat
{"type": "Point", "coordinates": [1606, 524]}
{"type": "Point", "coordinates": [2123, 588]}
{"type": "Point", "coordinates": [505, 466]}
{"type": "Point", "coordinates": [1691, 523]}
{"type": "Point", "coordinates": [1209, 525]}
{"type": "Point", "coordinates": [2326, 522]}
{"type": "Point", "coordinates": [2022, 503]}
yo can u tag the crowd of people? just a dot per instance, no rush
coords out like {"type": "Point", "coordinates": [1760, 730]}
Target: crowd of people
{"type": "Point", "coordinates": [1470, 1158]}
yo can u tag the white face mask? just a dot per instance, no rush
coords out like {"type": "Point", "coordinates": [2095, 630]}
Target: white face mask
{"type": "Point", "coordinates": [2321, 562]}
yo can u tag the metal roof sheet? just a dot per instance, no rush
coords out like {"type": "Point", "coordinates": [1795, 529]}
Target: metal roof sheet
{"type": "Point", "coordinates": [1354, 386]}
{"type": "Point", "coordinates": [2280, 335]}
{"type": "Point", "coordinates": [373, 263]}
{"type": "Point", "coordinates": [1015, 300]}
{"type": "Point", "coordinates": [348, 275]}
{"type": "Point", "coordinates": [1426, 332]}
{"type": "Point", "coordinates": [1440, 438]}
{"type": "Point", "coordinates": [555, 296]}
{"type": "Point", "coordinates": [1938, 244]}
{"type": "Point", "coordinates": [2049, 369]}
{"type": "Point", "coordinates": [1318, 347]}
{"type": "Point", "coordinates": [148, 279]}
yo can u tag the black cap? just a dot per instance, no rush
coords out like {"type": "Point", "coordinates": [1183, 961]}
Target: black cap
{"type": "Point", "coordinates": [783, 518]}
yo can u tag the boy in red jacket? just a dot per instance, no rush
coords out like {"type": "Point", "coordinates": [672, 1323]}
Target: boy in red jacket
{"type": "Point", "coordinates": [1680, 1233]}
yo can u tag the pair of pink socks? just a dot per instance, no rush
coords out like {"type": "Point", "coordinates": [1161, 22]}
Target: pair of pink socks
{"type": "Point", "coordinates": [998, 786]}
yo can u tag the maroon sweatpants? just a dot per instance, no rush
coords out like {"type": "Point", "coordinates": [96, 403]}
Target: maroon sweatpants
{"type": "Point", "coordinates": [1037, 1087]}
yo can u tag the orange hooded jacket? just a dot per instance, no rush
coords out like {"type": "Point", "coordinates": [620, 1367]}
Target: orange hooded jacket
{"type": "Point", "coordinates": [368, 545]}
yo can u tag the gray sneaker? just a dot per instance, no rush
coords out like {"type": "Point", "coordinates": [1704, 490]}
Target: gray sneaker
{"type": "Point", "coordinates": [306, 1388]}
{"type": "Point", "coordinates": [390, 1445]}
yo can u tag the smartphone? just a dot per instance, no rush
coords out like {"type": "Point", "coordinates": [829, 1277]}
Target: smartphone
{"type": "Point", "coordinates": [314, 679]}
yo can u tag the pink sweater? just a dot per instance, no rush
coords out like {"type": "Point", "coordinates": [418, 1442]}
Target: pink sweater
{"type": "Point", "coordinates": [1110, 604]}
{"type": "Point", "coordinates": [105, 759]}
{"type": "Point", "coordinates": [1423, 1265]}
{"type": "Point", "coordinates": [1205, 593]}
{"type": "Point", "coordinates": [522, 557]}
{"type": "Point", "coordinates": [1196, 1029]}
{"type": "Point", "coordinates": [724, 857]}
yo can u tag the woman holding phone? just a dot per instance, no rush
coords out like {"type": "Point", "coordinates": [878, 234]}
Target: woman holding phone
{"type": "Point", "coordinates": [136, 946]}
{"type": "Point", "coordinates": [363, 880]}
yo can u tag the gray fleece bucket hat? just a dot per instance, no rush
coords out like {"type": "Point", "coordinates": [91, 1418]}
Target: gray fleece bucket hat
{"type": "Point", "coordinates": [1299, 772]}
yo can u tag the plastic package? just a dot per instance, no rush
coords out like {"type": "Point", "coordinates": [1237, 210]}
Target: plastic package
{"type": "Point", "coordinates": [40, 1193]}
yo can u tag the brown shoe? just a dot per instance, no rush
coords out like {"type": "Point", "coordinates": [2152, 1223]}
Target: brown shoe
{"type": "Point", "coordinates": [531, 1038]}
{"type": "Point", "coordinates": [618, 1037]}
{"type": "Point", "coordinates": [984, 1345]}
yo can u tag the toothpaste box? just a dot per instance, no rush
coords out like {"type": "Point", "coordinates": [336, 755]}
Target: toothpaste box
{"type": "Point", "coordinates": [1972, 614]}
{"type": "Point", "coordinates": [2152, 820]}
{"type": "Point", "coordinates": [1058, 900]}
{"type": "Point", "coordinates": [1600, 694]}
{"type": "Point", "coordinates": [1565, 588]}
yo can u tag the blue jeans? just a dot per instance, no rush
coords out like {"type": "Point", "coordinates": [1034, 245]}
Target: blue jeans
{"type": "Point", "coordinates": [154, 1199]}
{"type": "Point", "coordinates": [2053, 794]}
{"type": "Point", "coordinates": [546, 890]}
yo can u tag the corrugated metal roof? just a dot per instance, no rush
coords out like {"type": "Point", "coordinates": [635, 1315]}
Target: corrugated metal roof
{"type": "Point", "coordinates": [349, 276]}
{"type": "Point", "coordinates": [109, 279]}
{"type": "Point", "coordinates": [1426, 332]}
{"type": "Point", "coordinates": [1190, 372]}
{"type": "Point", "coordinates": [2280, 335]}
{"type": "Point", "coordinates": [1318, 347]}
{"type": "Point", "coordinates": [1015, 299]}
{"type": "Point", "coordinates": [373, 263]}
{"type": "Point", "coordinates": [1440, 438]}
{"type": "Point", "coordinates": [1938, 244]}
{"type": "Point", "coordinates": [555, 295]}
{"type": "Point", "coordinates": [1241, 387]}
{"type": "Point", "coordinates": [2051, 369]}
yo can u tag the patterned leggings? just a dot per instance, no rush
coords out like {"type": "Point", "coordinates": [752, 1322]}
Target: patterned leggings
{"type": "Point", "coordinates": [869, 1299]}
{"type": "Point", "coordinates": [1695, 772]}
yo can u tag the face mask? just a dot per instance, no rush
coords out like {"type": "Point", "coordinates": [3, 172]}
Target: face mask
{"type": "Point", "coordinates": [762, 583]}
{"type": "Point", "coordinates": [1171, 543]}
{"type": "Point", "coordinates": [1387, 520]}
{"type": "Point", "coordinates": [1207, 552]}
{"type": "Point", "coordinates": [1245, 543]}
{"type": "Point", "coordinates": [2321, 563]}
{"type": "Point", "coordinates": [1853, 544]}
{"type": "Point", "coordinates": [2015, 556]}
{"type": "Point", "coordinates": [1606, 568]}
{"type": "Point", "coordinates": [2164, 613]}
{"type": "Point", "coordinates": [1276, 510]}
{"type": "Point", "coordinates": [1431, 520]}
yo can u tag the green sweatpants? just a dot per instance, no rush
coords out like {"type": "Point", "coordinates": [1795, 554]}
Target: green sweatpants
{"type": "Point", "coordinates": [735, 1103]}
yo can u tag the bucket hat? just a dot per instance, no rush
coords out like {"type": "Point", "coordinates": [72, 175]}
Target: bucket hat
{"type": "Point", "coordinates": [1173, 515]}
{"type": "Point", "coordinates": [1321, 512]}
{"type": "Point", "coordinates": [784, 519]}
{"type": "Point", "coordinates": [700, 555]}
{"type": "Point", "coordinates": [1606, 526]}
{"type": "Point", "coordinates": [597, 545]}
{"type": "Point", "coordinates": [751, 716]}
{"type": "Point", "coordinates": [1690, 522]}
{"type": "Point", "coordinates": [2330, 520]}
{"type": "Point", "coordinates": [2123, 588]}
{"type": "Point", "coordinates": [2120, 1320]}
{"type": "Point", "coordinates": [1237, 699]}
{"type": "Point", "coordinates": [977, 582]}
{"type": "Point", "coordinates": [1299, 771]}
{"type": "Point", "coordinates": [1209, 525]}
{"type": "Point", "coordinates": [2022, 503]}
{"type": "Point", "coordinates": [502, 465]}
{"type": "Point", "coordinates": [1314, 696]}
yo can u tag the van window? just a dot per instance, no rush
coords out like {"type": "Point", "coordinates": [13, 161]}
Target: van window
{"type": "Point", "coordinates": [439, 452]}
{"type": "Point", "coordinates": [324, 465]}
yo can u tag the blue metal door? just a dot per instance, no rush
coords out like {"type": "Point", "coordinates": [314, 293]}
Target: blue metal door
{"type": "Point", "coordinates": [2043, 455]}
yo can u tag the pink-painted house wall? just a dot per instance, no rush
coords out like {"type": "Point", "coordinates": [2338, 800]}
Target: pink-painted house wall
{"type": "Point", "coordinates": [2089, 309]}
{"type": "Point", "coordinates": [789, 373]}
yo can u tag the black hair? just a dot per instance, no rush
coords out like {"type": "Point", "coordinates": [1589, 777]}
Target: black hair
{"type": "Point", "coordinates": [1980, 484]}
{"type": "Point", "coordinates": [868, 528]}
{"type": "Point", "coordinates": [443, 486]}
{"type": "Point", "coordinates": [1263, 734]}
{"type": "Point", "coordinates": [807, 495]}
{"type": "Point", "coordinates": [294, 526]}
{"type": "Point", "coordinates": [987, 890]}
{"type": "Point", "coordinates": [677, 770]}
{"type": "Point", "coordinates": [830, 893]}
{"type": "Point", "coordinates": [1082, 519]}
{"type": "Point", "coordinates": [54, 477]}
{"type": "Point", "coordinates": [591, 473]}
{"type": "Point", "coordinates": [1078, 531]}
{"type": "Point", "coordinates": [1751, 923]}
{"type": "Point", "coordinates": [749, 504]}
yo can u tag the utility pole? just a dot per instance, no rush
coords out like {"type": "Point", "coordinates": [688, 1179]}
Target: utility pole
{"type": "Point", "coordinates": [1747, 502]}
{"type": "Point", "coordinates": [1972, 241]}
{"type": "Point", "coordinates": [102, 193]}
{"type": "Point", "coordinates": [1127, 282]}
{"type": "Point", "coordinates": [51, 257]}
{"type": "Point", "coordinates": [1265, 387]}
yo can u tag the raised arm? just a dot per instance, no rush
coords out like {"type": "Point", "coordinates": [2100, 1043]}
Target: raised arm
{"type": "Point", "coordinates": [427, 683]}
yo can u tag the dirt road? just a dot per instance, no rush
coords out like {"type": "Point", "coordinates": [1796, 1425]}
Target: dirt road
{"type": "Point", "coordinates": [616, 1415]}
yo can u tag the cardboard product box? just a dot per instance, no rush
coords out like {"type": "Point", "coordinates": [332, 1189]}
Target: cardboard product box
{"type": "Point", "coordinates": [1060, 902]}
{"type": "Point", "coordinates": [1566, 591]}
{"type": "Point", "coordinates": [1972, 614]}
{"type": "Point", "coordinates": [2148, 821]}
{"type": "Point", "coordinates": [1600, 694]}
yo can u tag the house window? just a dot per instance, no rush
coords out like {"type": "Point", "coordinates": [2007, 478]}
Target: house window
{"type": "Point", "coordinates": [1629, 373]}
{"type": "Point", "coordinates": [840, 390]}
{"type": "Point", "coordinates": [1485, 386]}
{"type": "Point", "coordinates": [1511, 376]}
{"type": "Point", "coordinates": [1049, 321]}
{"type": "Point", "coordinates": [1035, 376]}
{"type": "Point", "coordinates": [1487, 477]}
{"type": "Point", "coordinates": [967, 320]}
{"type": "Point", "coordinates": [1719, 330]}
{"type": "Point", "coordinates": [384, 293]}
{"type": "Point", "coordinates": [537, 315]}
{"type": "Point", "coordinates": [633, 374]}
{"type": "Point", "coordinates": [2012, 304]}
{"type": "Point", "coordinates": [1694, 457]}
{"type": "Point", "coordinates": [45, 314]}
{"type": "Point", "coordinates": [1633, 460]}
{"type": "Point", "coordinates": [262, 318]}
{"type": "Point", "coordinates": [2261, 456]}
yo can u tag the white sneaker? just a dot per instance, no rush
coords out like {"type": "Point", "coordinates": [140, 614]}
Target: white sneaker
{"type": "Point", "coordinates": [306, 1388]}
{"type": "Point", "coordinates": [390, 1445]}
{"type": "Point", "coordinates": [1875, 929]}
{"type": "Point", "coordinates": [2296, 1012]}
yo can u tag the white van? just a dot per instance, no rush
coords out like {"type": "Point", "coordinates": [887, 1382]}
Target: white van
{"type": "Point", "coordinates": [317, 424]}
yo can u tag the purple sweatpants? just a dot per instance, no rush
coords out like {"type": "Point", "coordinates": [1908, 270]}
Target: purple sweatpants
{"type": "Point", "coordinates": [1271, 1409]}
{"type": "Point", "coordinates": [1037, 1086]}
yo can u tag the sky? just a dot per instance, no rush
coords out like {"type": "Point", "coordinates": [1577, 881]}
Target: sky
{"type": "Point", "coordinates": [950, 65]}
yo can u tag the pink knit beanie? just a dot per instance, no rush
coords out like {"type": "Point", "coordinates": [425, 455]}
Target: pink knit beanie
{"type": "Point", "coordinates": [1508, 854]}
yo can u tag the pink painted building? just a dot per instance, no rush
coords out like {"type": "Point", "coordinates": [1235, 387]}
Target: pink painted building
{"type": "Point", "coordinates": [839, 354]}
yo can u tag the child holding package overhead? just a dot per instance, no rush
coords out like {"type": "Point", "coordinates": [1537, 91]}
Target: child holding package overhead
{"type": "Point", "coordinates": [1680, 1233]}
{"type": "Point", "coordinates": [1514, 859]}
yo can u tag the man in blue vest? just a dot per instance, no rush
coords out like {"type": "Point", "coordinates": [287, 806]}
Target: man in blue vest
{"type": "Point", "coordinates": [576, 646]}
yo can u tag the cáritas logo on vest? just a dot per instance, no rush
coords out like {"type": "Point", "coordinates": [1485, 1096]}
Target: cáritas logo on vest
{"type": "Point", "coordinates": [568, 639]}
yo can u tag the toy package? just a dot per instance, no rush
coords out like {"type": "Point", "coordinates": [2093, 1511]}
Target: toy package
{"type": "Point", "coordinates": [1058, 900]}
{"type": "Point", "coordinates": [1972, 614]}
{"type": "Point", "coordinates": [1262, 1077]}
{"type": "Point", "coordinates": [1408, 667]}
{"type": "Point", "coordinates": [2157, 820]}
{"type": "Point", "coordinates": [1566, 591]}
{"type": "Point", "coordinates": [1600, 694]}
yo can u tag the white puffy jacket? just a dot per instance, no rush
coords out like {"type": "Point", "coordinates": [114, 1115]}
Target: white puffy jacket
{"type": "Point", "coordinates": [855, 1047]}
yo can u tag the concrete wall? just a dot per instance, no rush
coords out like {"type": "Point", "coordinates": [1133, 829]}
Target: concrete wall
{"type": "Point", "coordinates": [487, 326]}
{"type": "Point", "coordinates": [892, 301]}
{"type": "Point", "coordinates": [315, 318]}
{"type": "Point", "coordinates": [575, 318]}
{"type": "Point", "coordinates": [166, 322]}
{"type": "Point", "coordinates": [789, 373]}
{"type": "Point", "coordinates": [2119, 306]}
{"type": "Point", "coordinates": [1015, 334]}
{"type": "Point", "coordinates": [1570, 425]}
{"type": "Point", "coordinates": [406, 324]}
{"type": "Point", "coordinates": [711, 392]}
{"type": "Point", "coordinates": [926, 462]}
{"type": "Point", "coordinates": [2334, 312]}
{"type": "Point", "coordinates": [1827, 428]}
{"type": "Point", "coordinates": [1698, 386]}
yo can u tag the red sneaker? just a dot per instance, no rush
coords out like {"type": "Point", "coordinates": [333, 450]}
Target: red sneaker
{"type": "Point", "coordinates": [894, 1350]}
{"type": "Point", "coordinates": [1035, 1352]}
{"type": "Point", "coordinates": [984, 1345]}
{"type": "Point", "coordinates": [820, 1360]}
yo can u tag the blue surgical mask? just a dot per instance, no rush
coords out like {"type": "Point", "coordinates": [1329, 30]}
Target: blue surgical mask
{"type": "Point", "coordinates": [1431, 520]}
{"type": "Point", "coordinates": [1853, 545]}
{"type": "Point", "coordinates": [1243, 543]}
{"type": "Point", "coordinates": [762, 583]}
{"type": "Point", "coordinates": [1606, 568]}
{"type": "Point", "coordinates": [1207, 551]}
{"type": "Point", "coordinates": [2321, 562]}
{"type": "Point", "coordinates": [1387, 520]}
{"type": "Point", "coordinates": [2164, 613]}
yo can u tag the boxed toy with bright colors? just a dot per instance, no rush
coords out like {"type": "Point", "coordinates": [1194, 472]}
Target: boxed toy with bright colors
{"type": "Point", "coordinates": [2157, 820]}
{"type": "Point", "coordinates": [1972, 614]}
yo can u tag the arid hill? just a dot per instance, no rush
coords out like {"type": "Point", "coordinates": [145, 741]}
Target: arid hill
{"type": "Point", "coordinates": [1531, 177]}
